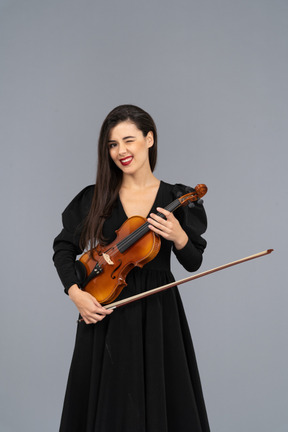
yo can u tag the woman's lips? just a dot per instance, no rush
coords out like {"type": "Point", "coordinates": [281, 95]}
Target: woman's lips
{"type": "Point", "coordinates": [126, 161]}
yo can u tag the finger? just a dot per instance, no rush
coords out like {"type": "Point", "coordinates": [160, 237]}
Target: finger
{"type": "Point", "coordinates": [160, 223]}
{"type": "Point", "coordinates": [87, 320]}
{"type": "Point", "coordinates": [163, 211]}
{"type": "Point", "coordinates": [99, 308]}
{"type": "Point", "coordinates": [156, 224]}
{"type": "Point", "coordinates": [95, 301]}
{"type": "Point", "coordinates": [95, 314]}
{"type": "Point", "coordinates": [93, 319]}
{"type": "Point", "coordinates": [103, 311]}
{"type": "Point", "coordinates": [165, 226]}
{"type": "Point", "coordinates": [157, 217]}
{"type": "Point", "coordinates": [158, 231]}
{"type": "Point", "coordinates": [168, 216]}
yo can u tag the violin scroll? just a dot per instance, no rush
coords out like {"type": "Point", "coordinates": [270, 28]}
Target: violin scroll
{"type": "Point", "coordinates": [199, 192]}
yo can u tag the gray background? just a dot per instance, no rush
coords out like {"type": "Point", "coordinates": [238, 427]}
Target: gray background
{"type": "Point", "coordinates": [213, 74]}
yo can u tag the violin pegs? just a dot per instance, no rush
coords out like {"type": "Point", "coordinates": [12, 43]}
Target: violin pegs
{"type": "Point", "coordinates": [193, 204]}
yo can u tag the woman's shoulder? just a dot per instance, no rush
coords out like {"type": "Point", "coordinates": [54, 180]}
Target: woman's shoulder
{"type": "Point", "coordinates": [85, 194]}
{"type": "Point", "coordinates": [81, 202]}
{"type": "Point", "coordinates": [177, 189]}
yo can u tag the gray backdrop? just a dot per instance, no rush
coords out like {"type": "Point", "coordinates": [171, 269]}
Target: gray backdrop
{"type": "Point", "coordinates": [213, 74]}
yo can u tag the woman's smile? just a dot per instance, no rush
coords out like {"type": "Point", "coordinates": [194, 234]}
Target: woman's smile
{"type": "Point", "coordinates": [126, 161]}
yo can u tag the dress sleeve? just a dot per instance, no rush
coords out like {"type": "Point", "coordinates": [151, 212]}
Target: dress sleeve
{"type": "Point", "coordinates": [66, 244]}
{"type": "Point", "coordinates": [194, 222]}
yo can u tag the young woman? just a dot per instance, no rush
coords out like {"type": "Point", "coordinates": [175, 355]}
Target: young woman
{"type": "Point", "coordinates": [134, 369]}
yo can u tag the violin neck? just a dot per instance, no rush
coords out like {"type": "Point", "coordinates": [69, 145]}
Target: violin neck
{"type": "Point", "coordinates": [132, 238]}
{"type": "Point", "coordinates": [172, 206]}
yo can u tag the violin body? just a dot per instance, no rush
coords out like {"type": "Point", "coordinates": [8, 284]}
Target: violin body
{"type": "Point", "coordinates": [115, 265]}
{"type": "Point", "coordinates": [102, 270]}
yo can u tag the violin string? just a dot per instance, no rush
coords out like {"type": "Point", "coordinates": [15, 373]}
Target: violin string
{"type": "Point", "coordinates": [128, 241]}
{"type": "Point", "coordinates": [134, 236]}
{"type": "Point", "coordinates": [138, 233]}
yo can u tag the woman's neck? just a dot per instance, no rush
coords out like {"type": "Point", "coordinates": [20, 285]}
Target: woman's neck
{"type": "Point", "coordinates": [139, 181]}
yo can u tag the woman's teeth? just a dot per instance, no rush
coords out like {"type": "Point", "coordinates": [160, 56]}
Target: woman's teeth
{"type": "Point", "coordinates": [126, 161]}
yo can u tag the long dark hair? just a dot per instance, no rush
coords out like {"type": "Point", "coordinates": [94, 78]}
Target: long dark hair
{"type": "Point", "coordinates": [109, 176]}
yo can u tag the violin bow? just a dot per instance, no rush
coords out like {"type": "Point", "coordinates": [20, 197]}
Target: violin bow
{"type": "Point", "coordinates": [133, 298]}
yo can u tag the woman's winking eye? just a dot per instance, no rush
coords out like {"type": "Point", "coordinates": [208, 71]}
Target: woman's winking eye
{"type": "Point", "coordinates": [112, 144]}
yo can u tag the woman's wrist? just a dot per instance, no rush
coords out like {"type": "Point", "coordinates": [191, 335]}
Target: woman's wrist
{"type": "Point", "coordinates": [180, 243]}
{"type": "Point", "coordinates": [73, 291]}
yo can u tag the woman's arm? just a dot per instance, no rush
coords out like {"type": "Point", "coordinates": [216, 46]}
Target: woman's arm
{"type": "Point", "coordinates": [66, 248]}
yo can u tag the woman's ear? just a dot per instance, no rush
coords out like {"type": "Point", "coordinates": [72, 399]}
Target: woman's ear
{"type": "Point", "coordinates": [150, 139]}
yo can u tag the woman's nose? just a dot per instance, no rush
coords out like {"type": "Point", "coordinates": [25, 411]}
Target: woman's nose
{"type": "Point", "coordinates": [122, 148]}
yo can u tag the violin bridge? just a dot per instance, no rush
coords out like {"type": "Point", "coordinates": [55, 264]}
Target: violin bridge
{"type": "Point", "coordinates": [107, 259]}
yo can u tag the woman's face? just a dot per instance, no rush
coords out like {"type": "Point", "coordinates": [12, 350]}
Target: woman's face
{"type": "Point", "coordinates": [128, 147]}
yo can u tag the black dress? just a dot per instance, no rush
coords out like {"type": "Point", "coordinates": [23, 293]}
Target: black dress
{"type": "Point", "coordinates": [136, 370]}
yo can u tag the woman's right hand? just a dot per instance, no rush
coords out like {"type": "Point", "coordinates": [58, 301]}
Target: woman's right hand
{"type": "Point", "coordinates": [89, 308]}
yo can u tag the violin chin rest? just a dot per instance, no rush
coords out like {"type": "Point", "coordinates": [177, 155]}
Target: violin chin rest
{"type": "Point", "coordinates": [80, 271]}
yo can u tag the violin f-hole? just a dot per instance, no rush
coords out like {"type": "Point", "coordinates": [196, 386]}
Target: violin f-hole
{"type": "Point", "coordinates": [112, 274]}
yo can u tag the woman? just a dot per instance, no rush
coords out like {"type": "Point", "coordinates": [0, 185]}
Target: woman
{"type": "Point", "coordinates": [134, 369]}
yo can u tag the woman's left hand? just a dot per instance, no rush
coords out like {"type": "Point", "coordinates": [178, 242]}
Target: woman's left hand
{"type": "Point", "coordinates": [168, 228]}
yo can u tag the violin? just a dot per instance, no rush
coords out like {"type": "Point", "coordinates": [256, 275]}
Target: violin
{"type": "Point", "coordinates": [102, 270]}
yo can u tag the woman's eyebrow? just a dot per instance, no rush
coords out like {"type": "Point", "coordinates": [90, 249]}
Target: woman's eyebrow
{"type": "Point", "coordinates": [125, 138]}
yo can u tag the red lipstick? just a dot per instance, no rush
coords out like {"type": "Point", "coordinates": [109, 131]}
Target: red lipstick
{"type": "Point", "coordinates": [126, 161]}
